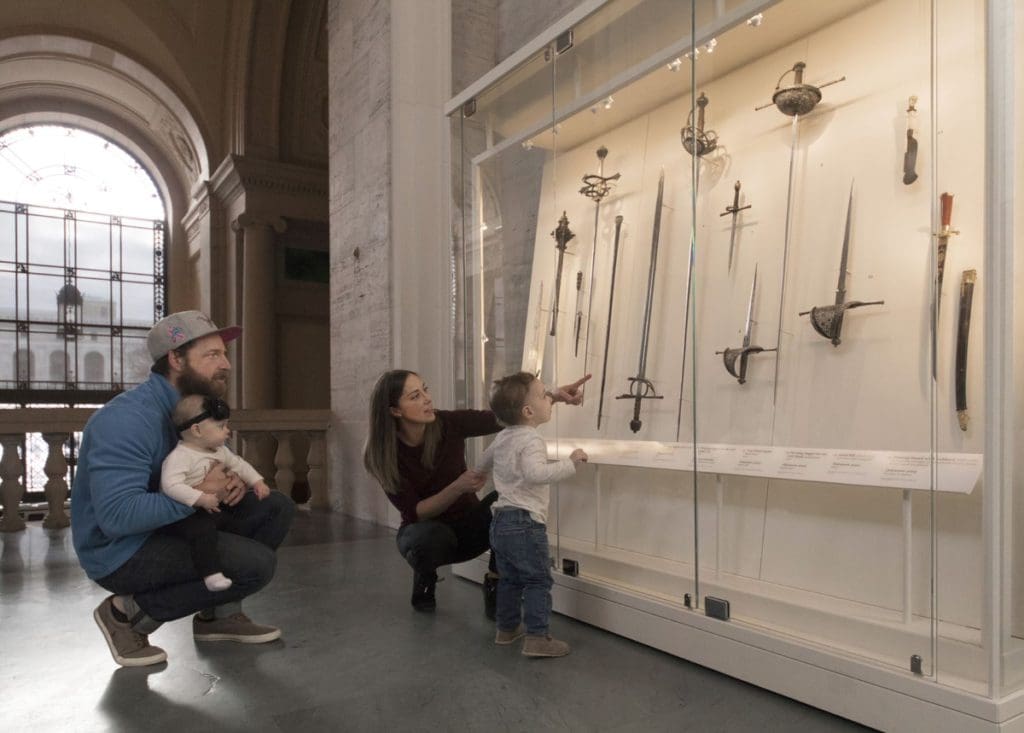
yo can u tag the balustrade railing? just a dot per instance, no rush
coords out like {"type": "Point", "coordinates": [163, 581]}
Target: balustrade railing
{"type": "Point", "coordinates": [284, 445]}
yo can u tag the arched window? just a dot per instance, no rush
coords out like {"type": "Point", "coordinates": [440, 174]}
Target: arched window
{"type": "Point", "coordinates": [81, 263]}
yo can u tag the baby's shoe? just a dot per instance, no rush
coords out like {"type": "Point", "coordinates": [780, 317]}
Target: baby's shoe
{"type": "Point", "coordinates": [217, 581]}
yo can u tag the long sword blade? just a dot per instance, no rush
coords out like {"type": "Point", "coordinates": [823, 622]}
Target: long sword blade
{"type": "Point", "coordinates": [841, 286]}
{"type": "Point", "coordinates": [608, 324]}
{"type": "Point", "coordinates": [750, 311]}
{"type": "Point", "coordinates": [651, 273]}
{"type": "Point", "coordinates": [794, 139]}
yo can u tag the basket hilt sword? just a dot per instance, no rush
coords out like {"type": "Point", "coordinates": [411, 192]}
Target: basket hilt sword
{"type": "Point", "coordinates": [562, 236]}
{"type": "Point", "coordinates": [608, 323]}
{"type": "Point", "coordinates": [910, 156]}
{"type": "Point", "coordinates": [596, 186]}
{"type": "Point", "coordinates": [734, 210]}
{"type": "Point", "coordinates": [963, 333]}
{"type": "Point", "coordinates": [640, 387]}
{"type": "Point", "coordinates": [827, 320]}
{"type": "Point", "coordinates": [742, 354]}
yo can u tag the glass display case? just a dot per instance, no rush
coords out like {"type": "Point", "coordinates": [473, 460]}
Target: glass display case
{"type": "Point", "coordinates": [779, 235]}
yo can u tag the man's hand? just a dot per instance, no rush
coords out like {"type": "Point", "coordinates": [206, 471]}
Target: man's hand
{"type": "Point", "coordinates": [571, 394]}
{"type": "Point", "coordinates": [223, 484]}
{"type": "Point", "coordinates": [209, 502]}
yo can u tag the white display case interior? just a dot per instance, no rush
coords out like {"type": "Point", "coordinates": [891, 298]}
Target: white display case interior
{"type": "Point", "coordinates": [620, 191]}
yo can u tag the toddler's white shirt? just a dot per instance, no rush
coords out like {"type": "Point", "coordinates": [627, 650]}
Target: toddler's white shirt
{"type": "Point", "coordinates": [518, 458]}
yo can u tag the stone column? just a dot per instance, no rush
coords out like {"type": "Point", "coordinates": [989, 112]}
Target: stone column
{"type": "Point", "coordinates": [11, 489]}
{"type": "Point", "coordinates": [258, 363]}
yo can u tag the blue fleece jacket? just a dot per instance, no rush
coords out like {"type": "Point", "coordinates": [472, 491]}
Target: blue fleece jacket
{"type": "Point", "coordinates": [116, 501]}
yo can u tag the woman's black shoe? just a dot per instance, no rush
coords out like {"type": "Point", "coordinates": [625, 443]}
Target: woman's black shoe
{"type": "Point", "coordinates": [490, 597]}
{"type": "Point", "coordinates": [423, 591]}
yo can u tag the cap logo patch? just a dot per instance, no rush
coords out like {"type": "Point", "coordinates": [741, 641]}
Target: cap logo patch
{"type": "Point", "coordinates": [176, 334]}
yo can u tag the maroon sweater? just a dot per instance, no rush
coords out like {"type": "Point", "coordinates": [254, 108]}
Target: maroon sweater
{"type": "Point", "coordinates": [419, 483]}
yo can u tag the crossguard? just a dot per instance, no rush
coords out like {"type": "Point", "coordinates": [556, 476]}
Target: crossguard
{"type": "Point", "coordinates": [640, 388]}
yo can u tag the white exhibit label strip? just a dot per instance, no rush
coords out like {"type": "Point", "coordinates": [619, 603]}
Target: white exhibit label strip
{"type": "Point", "coordinates": [956, 472]}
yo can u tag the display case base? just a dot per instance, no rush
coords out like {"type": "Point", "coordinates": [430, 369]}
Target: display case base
{"type": "Point", "coordinates": [853, 688]}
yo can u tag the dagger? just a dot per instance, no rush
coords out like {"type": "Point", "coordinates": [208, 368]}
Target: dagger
{"type": "Point", "coordinates": [562, 236]}
{"type": "Point", "coordinates": [963, 333]}
{"type": "Point", "coordinates": [734, 210]}
{"type": "Point", "coordinates": [827, 320]}
{"type": "Point", "coordinates": [729, 356]}
{"type": "Point", "coordinates": [910, 156]}
{"type": "Point", "coordinates": [946, 201]}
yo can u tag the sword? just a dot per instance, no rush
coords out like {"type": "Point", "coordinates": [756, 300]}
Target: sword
{"type": "Point", "coordinates": [595, 187]}
{"type": "Point", "coordinates": [562, 236]}
{"type": "Point", "coordinates": [963, 333]}
{"type": "Point", "coordinates": [579, 311]}
{"type": "Point", "coordinates": [729, 356]}
{"type": "Point", "coordinates": [608, 324]}
{"type": "Point", "coordinates": [910, 157]}
{"type": "Point", "coordinates": [827, 320]}
{"type": "Point", "coordinates": [734, 210]}
{"type": "Point", "coordinates": [640, 387]}
{"type": "Point", "coordinates": [946, 201]}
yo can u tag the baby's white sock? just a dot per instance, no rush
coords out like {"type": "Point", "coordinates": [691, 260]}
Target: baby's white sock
{"type": "Point", "coordinates": [217, 581]}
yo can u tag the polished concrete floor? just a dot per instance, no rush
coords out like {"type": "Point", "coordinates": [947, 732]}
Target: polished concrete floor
{"type": "Point", "coordinates": [354, 657]}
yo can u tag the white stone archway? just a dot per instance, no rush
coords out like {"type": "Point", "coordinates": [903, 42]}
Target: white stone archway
{"type": "Point", "coordinates": [64, 80]}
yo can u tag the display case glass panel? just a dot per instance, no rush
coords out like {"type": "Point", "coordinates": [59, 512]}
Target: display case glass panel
{"type": "Point", "coordinates": [775, 276]}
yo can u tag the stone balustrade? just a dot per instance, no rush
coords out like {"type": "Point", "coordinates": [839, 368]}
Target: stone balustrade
{"type": "Point", "coordinates": [281, 444]}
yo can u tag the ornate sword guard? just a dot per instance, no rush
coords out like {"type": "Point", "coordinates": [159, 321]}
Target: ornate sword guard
{"type": "Point", "coordinates": [730, 356]}
{"type": "Point", "coordinates": [827, 320]}
{"type": "Point", "coordinates": [595, 185]}
{"type": "Point", "coordinates": [800, 98]}
{"type": "Point", "coordinates": [696, 139]}
{"type": "Point", "coordinates": [563, 234]}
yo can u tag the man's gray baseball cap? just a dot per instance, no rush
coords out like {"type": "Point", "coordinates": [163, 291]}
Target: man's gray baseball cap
{"type": "Point", "coordinates": [179, 328]}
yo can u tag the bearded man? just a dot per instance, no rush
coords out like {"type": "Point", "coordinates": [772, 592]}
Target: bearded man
{"type": "Point", "coordinates": [117, 508]}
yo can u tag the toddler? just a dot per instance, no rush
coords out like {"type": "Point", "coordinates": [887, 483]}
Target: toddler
{"type": "Point", "coordinates": [202, 424]}
{"type": "Point", "coordinates": [518, 458]}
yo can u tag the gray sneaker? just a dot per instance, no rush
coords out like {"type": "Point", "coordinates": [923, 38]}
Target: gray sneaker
{"type": "Point", "coordinates": [129, 648]}
{"type": "Point", "coordinates": [237, 627]}
{"type": "Point", "coordinates": [544, 646]}
{"type": "Point", "coordinates": [509, 637]}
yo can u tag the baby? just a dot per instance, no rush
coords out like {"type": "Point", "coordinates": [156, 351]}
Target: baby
{"type": "Point", "coordinates": [202, 424]}
{"type": "Point", "coordinates": [519, 537]}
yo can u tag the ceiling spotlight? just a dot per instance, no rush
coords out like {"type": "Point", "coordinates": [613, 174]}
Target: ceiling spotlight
{"type": "Point", "coordinates": [710, 45]}
{"type": "Point", "coordinates": [675, 65]}
{"type": "Point", "coordinates": [755, 21]}
{"type": "Point", "coordinates": [527, 144]}
{"type": "Point", "coordinates": [608, 103]}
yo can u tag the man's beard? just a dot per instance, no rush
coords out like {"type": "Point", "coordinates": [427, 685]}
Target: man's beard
{"type": "Point", "coordinates": [192, 382]}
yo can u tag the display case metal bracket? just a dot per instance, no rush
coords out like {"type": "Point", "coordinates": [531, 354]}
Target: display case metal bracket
{"type": "Point", "coordinates": [564, 42]}
{"type": "Point", "coordinates": [469, 108]}
{"type": "Point", "coordinates": [915, 664]}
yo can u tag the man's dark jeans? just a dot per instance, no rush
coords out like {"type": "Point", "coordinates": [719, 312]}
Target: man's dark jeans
{"type": "Point", "coordinates": [165, 582]}
{"type": "Point", "coordinates": [428, 544]}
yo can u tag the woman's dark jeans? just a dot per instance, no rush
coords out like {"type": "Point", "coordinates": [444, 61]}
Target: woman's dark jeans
{"type": "Point", "coordinates": [428, 544]}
